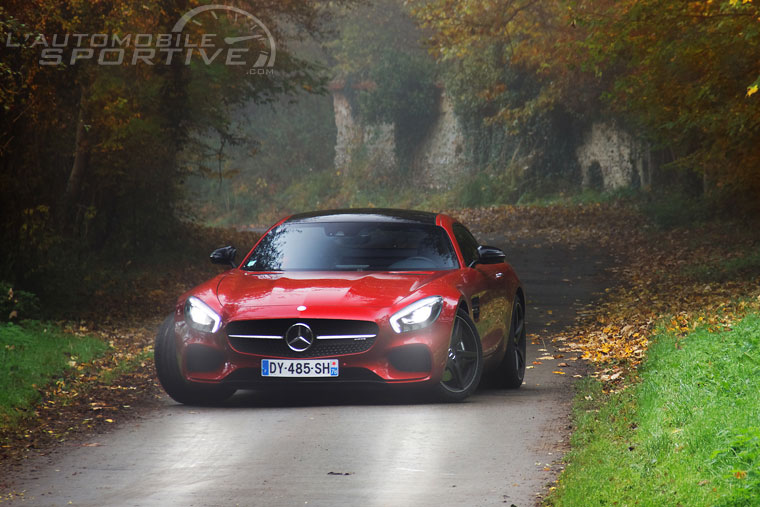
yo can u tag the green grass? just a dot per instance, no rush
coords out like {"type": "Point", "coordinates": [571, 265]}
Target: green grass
{"type": "Point", "coordinates": [674, 209]}
{"type": "Point", "coordinates": [743, 265]}
{"type": "Point", "coordinates": [576, 196]}
{"type": "Point", "coordinates": [687, 434]}
{"type": "Point", "coordinates": [35, 354]}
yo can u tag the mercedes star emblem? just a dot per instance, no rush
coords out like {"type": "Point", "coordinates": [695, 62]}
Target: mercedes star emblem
{"type": "Point", "coordinates": [299, 337]}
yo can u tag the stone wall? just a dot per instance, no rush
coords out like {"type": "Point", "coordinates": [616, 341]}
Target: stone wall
{"type": "Point", "coordinates": [441, 160]}
{"type": "Point", "coordinates": [375, 142]}
{"type": "Point", "coordinates": [438, 162]}
{"type": "Point", "coordinates": [611, 158]}
{"type": "Point", "coordinates": [349, 132]}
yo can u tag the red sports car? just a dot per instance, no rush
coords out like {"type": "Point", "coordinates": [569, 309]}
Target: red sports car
{"type": "Point", "coordinates": [386, 296]}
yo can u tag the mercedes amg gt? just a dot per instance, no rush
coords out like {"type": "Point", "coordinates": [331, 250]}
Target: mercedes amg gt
{"type": "Point", "coordinates": [394, 297]}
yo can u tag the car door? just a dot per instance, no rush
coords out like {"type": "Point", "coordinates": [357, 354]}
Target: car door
{"type": "Point", "coordinates": [487, 292]}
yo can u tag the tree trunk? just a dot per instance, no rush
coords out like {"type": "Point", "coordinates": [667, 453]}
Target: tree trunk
{"type": "Point", "coordinates": [78, 169]}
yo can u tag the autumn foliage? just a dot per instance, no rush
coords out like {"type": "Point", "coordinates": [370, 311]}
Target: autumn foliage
{"type": "Point", "coordinates": [662, 280]}
{"type": "Point", "coordinates": [683, 75]}
{"type": "Point", "coordinates": [93, 157]}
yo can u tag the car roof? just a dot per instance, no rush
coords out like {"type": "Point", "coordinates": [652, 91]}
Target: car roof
{"type": "Point", "coordinates": [366, 215]}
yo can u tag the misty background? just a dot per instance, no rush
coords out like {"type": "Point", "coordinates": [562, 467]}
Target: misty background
{"type": "Point", "coordinates": [427, 104]}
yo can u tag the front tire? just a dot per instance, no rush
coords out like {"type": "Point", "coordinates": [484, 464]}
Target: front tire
{"type": "Point", "coordinates": [170, 375]}
{"type": "Point", "coordinates": [464, 365]}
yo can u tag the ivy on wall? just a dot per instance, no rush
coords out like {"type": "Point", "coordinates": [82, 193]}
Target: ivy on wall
{"type": "Point", "coordinates": [404, 94]}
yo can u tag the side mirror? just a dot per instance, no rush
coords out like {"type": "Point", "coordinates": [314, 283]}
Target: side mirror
{"type": "Point", "coordinates": [224, 256]}
{"type": "Point", "coordinates": [490, 255]}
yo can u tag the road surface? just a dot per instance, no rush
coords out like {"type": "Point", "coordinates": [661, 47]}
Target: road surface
{"type": "Point", "coordinates": [327, 447]}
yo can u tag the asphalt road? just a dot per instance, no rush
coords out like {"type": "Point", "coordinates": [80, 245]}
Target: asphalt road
{"type": "Point", "coordinates": [353, 448]}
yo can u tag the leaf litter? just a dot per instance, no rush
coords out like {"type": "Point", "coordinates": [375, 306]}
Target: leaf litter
{"type": "Point", "coordinates": [654, 284]}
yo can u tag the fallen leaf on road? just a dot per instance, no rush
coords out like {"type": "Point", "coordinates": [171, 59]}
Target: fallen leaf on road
{"type": "Point", "coordinates": [558, 372]}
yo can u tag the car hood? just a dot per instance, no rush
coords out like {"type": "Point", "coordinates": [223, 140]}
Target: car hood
{"type": "Point", "coordinates": [241, 290]}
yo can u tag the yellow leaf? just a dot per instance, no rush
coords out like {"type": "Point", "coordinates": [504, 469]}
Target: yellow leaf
{"type": "Point", "coordinates": [751, 90]}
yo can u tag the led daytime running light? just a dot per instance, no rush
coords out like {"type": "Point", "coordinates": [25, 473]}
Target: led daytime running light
{"type": "Point", "coordinates": [417, 315]}
{"type": "Point", "coordinates": [200, 316]}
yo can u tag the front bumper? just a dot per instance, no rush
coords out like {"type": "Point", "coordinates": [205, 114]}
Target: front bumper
{"type": "Point", "coordinates": [415, 357]}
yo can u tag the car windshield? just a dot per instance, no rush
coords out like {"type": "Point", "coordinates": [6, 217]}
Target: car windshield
{"type": "Point", "coordinates": [374, 246]}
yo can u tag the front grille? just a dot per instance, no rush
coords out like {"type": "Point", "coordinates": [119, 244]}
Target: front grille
{"type": "Point", "coordinates": [333, 337]}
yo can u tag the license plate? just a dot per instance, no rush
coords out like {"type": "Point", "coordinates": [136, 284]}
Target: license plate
{"type": "Point", "coordinates": [299, 367]}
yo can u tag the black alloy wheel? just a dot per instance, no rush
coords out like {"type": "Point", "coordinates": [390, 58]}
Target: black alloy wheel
{"type": "Point", "coordinates": [464, 365]}
{"type": "Point", "coordinates": [513, 364]}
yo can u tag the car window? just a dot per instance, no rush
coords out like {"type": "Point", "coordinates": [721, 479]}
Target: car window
{"type": "Point", "coordinates": [352, 246]}
{"type": "Point", "coordinates": [467, 243]}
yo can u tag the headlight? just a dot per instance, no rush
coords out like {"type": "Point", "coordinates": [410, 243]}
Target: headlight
{"type": "Point", "coordinates": [417, 315]}
{"type": "Point", "coordinates": [200, 316]}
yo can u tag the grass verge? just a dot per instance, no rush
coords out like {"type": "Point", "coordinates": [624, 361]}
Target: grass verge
{"type": "Point", "coordinates": [687, 433]}
{"type": "Point", "coordinates": [740, 263]}
{"type": "Point", "coordinates": [32, 355]}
